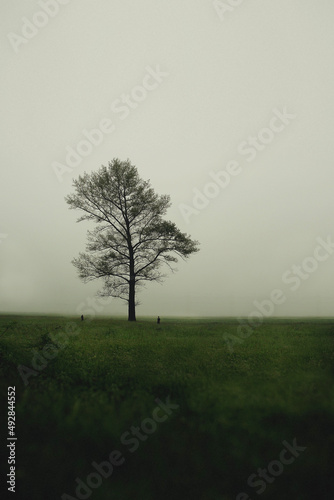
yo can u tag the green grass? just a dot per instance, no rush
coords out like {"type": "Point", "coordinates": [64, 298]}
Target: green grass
{"type": "Point", "coordinates": [235, 407]}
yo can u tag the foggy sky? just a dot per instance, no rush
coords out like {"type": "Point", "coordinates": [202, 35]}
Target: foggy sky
{"type": "Point", "coordinates": [244, 96]}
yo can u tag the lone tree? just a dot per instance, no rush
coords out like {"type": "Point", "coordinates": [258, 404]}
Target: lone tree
{"type": "Point", "coordinates": [132, 240]}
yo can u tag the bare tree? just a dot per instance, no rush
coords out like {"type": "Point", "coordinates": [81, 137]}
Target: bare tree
{"type": "Point", "coordinates": [131, 240]}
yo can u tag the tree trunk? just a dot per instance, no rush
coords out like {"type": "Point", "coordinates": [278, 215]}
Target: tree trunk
{"type": "Point", "coordinates": [132, 306]}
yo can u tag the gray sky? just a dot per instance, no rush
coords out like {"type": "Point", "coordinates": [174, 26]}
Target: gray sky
{"type": "Point", "coordinates": [246, 92]}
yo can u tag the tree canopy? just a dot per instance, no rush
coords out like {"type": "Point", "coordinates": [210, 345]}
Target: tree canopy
{"type": "Point", "coordinates": [131, 240]}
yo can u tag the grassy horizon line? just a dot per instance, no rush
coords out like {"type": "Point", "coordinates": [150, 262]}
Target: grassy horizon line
{"type": "Point", "coordinates": [166, 318]}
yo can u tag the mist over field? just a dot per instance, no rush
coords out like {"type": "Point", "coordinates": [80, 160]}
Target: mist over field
{"type": "Point", "coordinates": [227, 110]}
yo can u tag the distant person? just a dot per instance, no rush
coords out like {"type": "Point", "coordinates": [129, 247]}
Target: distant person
{"type": "Point", "coordinates": [82, 318]}
{"type": "Point", "coordinates": [158, 320]}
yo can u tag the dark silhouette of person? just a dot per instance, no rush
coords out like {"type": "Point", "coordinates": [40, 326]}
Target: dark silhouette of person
{"type": "Point", "coordinates": [158, 320]}
{"type": "Point", "coordinates": [82, 318]}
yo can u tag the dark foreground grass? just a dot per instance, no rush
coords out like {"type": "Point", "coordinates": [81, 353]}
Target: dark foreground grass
{"type": "Point", "coordinates": [234, 409]}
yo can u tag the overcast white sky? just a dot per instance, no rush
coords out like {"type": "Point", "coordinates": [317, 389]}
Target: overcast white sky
{"type": "Point", "coordinates": [225, 78]}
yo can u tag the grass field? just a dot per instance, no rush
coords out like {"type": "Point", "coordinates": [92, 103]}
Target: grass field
{"type": "Point", "coordinates": [189, 417]}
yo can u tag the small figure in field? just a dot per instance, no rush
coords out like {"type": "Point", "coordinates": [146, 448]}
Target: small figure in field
{"type": "Point", "coordinates": [158, 320]}
{"type": "Point", "coordinates": [82, 318]}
